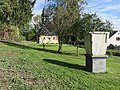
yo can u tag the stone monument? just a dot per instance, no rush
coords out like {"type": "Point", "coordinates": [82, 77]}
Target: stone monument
{"type": "Point", "coordinates": [95, 46]}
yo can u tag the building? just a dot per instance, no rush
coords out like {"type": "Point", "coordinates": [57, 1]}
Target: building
{"type": "Point", "coordinates": [48, 39]}
{"type": "Point", "coordinates": [114, 38]}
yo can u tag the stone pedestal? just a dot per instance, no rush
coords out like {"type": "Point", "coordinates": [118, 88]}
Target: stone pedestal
{"type": "Point", "coordinates": [96, 46]}
{"type": "Point", "coordinates": [96, 64]}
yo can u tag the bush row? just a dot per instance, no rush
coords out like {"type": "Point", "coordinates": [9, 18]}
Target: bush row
{"type": "Point", "coordinates": [113, 52]}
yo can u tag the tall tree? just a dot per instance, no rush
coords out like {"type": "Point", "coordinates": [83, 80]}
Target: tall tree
{"type": "Point", "coordinates": [15, 12]}
{"type": "Point", "coordinates": [37, 22]}
{"type": "Point", "coordinates": [90, 23]}
{"type": "Point", "coordinates": [28, 31]}
{"type": "Point", "coordinates": [62, 14]}
{"type": "Point", "coordinates": [40, 29]}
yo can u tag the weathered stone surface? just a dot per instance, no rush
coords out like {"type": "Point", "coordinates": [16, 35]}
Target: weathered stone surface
{"type": "Point", "coordinates": [96, 43]}
{"type": "Point", "coordinates": [96, 64]}
{"type": "Point", "coordinates": [95, 46]}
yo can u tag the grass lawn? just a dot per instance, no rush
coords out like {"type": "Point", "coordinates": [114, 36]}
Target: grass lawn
{"type": "Point", "coordinates": [26, 66]}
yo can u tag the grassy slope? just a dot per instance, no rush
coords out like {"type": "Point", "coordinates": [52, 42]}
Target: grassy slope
{"type": "Point", "coordinates": [25, 68]}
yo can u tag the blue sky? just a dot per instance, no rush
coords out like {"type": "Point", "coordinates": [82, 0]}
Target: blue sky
{"type": "Point", "coordinates": [105, 9]}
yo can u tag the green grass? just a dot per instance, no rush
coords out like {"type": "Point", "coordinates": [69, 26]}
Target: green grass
{"type": "Point", "coordinates": [26, 66]}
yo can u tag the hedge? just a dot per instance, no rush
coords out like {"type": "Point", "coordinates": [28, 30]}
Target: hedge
{"type": "Point", "coordinates": [113, 52]}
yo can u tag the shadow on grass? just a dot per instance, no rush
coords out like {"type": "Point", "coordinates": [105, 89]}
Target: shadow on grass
{"type": "Point", "coordinates": [65, 64]}
{"type": "Point", "coordinates": [17, 45]}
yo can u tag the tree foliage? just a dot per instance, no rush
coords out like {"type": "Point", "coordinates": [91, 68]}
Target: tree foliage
{"type": "Point", "coordinates": [15, 13]}
{"type": "Point", "coordinates": [61, 16]}
{"type": "Point", "coordinates": [39, 27]}
{"type": "Point", "coordinates": [28, 31]}
{"type": "Point", "coordinates": [90, 23]}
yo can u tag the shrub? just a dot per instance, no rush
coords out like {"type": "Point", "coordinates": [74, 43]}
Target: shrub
{"type": "Point", "coordinates": [111, 46]}
{"type": "Point", "coordinates": [9, 32]}
{"type": "Point", "coordinates": [21, 38]}
{"type": "Point", "coordinates": [113, 52]}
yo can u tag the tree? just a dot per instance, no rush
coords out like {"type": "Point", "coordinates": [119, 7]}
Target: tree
{"type": "Point", "coordinates": [15, 12]}
{"type": "Point", "coordinates": [90, 23]}
{"type": "Point", "coordinates": [37, 22]}
{"type": "Point", "coordinates": [61, 16]}
{"type": "Point", "coordinates": [40, 29]}
{"type": "Point", "coordinates": [18, 12]}
{"type": "Point", "coordinates": [28, 31]}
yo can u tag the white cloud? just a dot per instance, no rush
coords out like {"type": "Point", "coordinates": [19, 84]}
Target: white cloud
{"type": "Point", "coordinates": [111, 8]}
{"type": "Point", "coordinates": [116, 23]}
{"type": "Point", "coordinates": [106, 9]}
{"type": "Point", "coordinates": [37, 12]}
{"type": "Point", "coordinates": [115, 20]}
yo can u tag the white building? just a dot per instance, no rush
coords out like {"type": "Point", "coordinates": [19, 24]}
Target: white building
{"type": "Point", "coordinates": [114, 39]}
{"type": "Point", "coordinates": [48, 39]}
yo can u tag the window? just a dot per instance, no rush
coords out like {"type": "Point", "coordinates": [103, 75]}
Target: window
{"type": "Point", "coordinates": [53, 38]}
{"type": "Point", "coordinates": [48, 38]}
{"type": "Point", "coordinates": [117, 38]}
{"type": "Point", "coordinates": [43, 38]}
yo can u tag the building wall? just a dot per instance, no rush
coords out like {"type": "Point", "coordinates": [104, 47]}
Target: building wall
{"type": "Point", "coordinates": [115, 39]}
{"type": "Point", "coordinates": [48, 39]}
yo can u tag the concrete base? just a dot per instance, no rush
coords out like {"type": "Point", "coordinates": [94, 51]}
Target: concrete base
{"type": "Point", "coordinates": [96, 64]}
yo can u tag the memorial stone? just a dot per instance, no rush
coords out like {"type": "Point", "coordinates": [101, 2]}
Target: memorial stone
{"type": "Point", "coordinates": [96, 46]}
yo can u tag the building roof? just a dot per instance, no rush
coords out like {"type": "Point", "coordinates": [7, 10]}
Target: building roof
{"type": "Point", "coordinates": [111, 34]}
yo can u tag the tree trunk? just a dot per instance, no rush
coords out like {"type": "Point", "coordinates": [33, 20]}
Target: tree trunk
{"type": "Point", "coordinates": [26, 35]}
{"type": "Point", "coordinates": [77, 45]}
{"type": "Point", "coordinates": [77, 50]}
{"type": "Point", "coordinates": [60, 44]}
{"type": "Point", "coordinates": [43, 46]}
{"type": "Point", "coordinates": [37, 38]}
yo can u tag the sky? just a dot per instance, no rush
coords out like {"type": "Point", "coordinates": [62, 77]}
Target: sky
{"type": "Point", "coordinates": [105, 9]}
